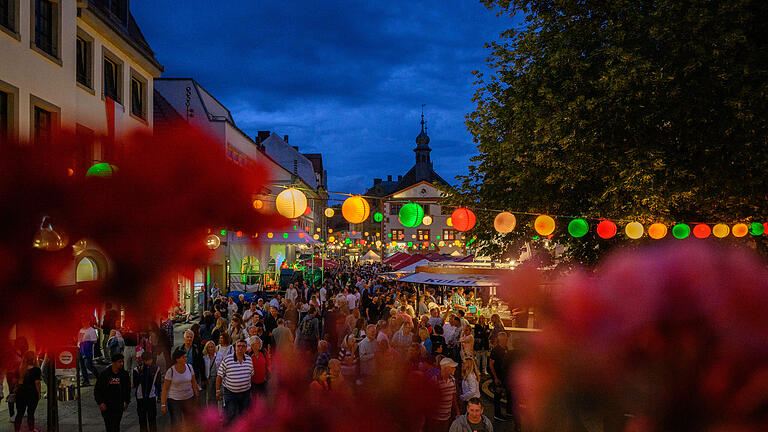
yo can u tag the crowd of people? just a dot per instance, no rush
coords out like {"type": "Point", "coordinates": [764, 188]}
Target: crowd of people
{"type": "Point", "coordinates": [353, 326]}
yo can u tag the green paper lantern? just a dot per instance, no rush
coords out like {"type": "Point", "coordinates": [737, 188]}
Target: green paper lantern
{"type": "Point", "coordinates": [578, 227]}
{"type": "Point", "coordinates": [756, 228]}
{"type": "Point", "coordinates": [410, 244]}
{"type": "Point", "coordinates": [681, 231]}
{"type": "Point", "coordinates": [378, 217]}
{"type": "Point", "coordinates": [411, 215]}
{"type": "Point", "coordinates": [223, 232]}
{"type": "Point", "coordinates": [103, 170]}
{"type": "Point", "coordinates": [285, 235]}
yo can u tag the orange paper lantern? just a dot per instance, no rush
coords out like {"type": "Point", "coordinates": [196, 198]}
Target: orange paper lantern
{"type": "Point", "coordinates": [657, 231]}
{"type": "Point", "coordinates": [463, 219]}
{"type": "Point", "coordinates": [544, 225]}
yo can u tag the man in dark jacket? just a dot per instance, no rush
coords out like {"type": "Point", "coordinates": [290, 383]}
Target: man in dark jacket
{"type": "Point", "coordinates": [113, 393]}
{"type": "Point", "coordinates": [147, 384]}
{"type": "Point", "coordinates": [194, 354]}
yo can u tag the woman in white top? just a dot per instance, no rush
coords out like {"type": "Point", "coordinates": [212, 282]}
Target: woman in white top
{"type": "Point", "coordinates": [209, 369]}
{"type": "Point", "coordinates": [179, 389]}
{"type": "Point", "coordinates": [470, 386]}
{"type": "Point", "coordinates": [224, 349]}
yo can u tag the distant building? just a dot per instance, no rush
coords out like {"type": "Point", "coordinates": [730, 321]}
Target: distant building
{"type": "Point", "coordinates": [418, 185]}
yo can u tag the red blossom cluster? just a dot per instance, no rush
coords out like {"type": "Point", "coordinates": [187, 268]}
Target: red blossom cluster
{"type": "Point", "coordinates": [150, 219]}
{"type": "Point", "coordinates": [668, 338]}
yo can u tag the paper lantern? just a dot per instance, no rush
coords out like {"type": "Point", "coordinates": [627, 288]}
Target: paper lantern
{"type": "Point", "coordinates": [721, 230]}
{"type": "Point", "coordinates": [103, 170]}
{"type": "Point", "coordinates": [331, 239]}
{"type": "Point", "coordinates": [223, 232]}
{"type": "Point", "coordinates": [307, 211]}
{"type": "Point", "coordinates": [258, 204]}
{"type": "Point", "coordinates": [378, 243]}
{"type": "Point", "coordinates": [239, 233]}
{"type": "Point", "coordinates": [544, 225]}
{"type": "Point", "coordinates": [441, 243]}
{"type": "Point", "coordinates": [463, 219]}
{"type": "Point", "coordinates": [504, 222]}
{"type": "Point", "coordinates": [578, 227]}
{"type": "Point", "coordinates": [316, 236]}
{"type": "Point", "coordinates": [270, 235]}
{"type": "Point", "coordinates": [634, 230]}
{"type": "Point", "coordinates": [657, 231]}
{"type": "Point", "coordinates": [329, 212]}
{"type": "Point", "coordinates": [301, 235]}
{"type": "Point", "coordinates": [355, 209]}
{"type": "Point", "coordinates": [701, 231]}
{"type": "Point", "coordinates": [409, 244]}
{"type": "Point", "coordinates": [330, 230]}
{"type": "Point", "coordinates": [378, 234]}
{"type": "Point", "coordinates": [291, 203]}
{"type": "Point", "coordinates": [756, 228]}
{"type": "Point", "coordinates": [606, 229]}
{"type": "Point", "coordinates": [285, 235]}
{"type": "Point", "coordinates": [411, 215]}
{"type": "Point", "coordinates": [740, 230]}
{"type": "Point", "coordinates": [213, 241]}
{"type": "Point", "coordinates": [378, 217]}
{"type": "Point", "coordinates": [681, 231]}
{"type": "Point", "coordinates": [427, 220]}
{"type": "Point", "coordinates": [457, 243]}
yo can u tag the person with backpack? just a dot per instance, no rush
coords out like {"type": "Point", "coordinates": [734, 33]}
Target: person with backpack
{"type": "Point", "coordinates": [308, 332]}
{"type": "Point", "coordinates": [179, 389]}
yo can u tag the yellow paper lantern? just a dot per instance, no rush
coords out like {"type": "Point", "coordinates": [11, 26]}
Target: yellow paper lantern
{"type": "Point", "coordinates": [449, 222]}
{"type": "Point", "coordinates": [329, 212]}
{"type": "Point", "coordinates": [740, 230]}
{"type": "Point", "coordinates": [441, 243]}
{"type": "Point", "coordinates": [504, 222]}
{"type": "Point", "coordinates": [378, 234]}
{"type": "Point", "coordinates": [721, 230]}
{"type": "Point", "coordinates": [316, 236]}
{"type": "Point", "coordinates": [457, 243]}
{"type": "Point", "coordinates": [427, 220]}
{"type": "Point", "coordinates": [355, 209]}
{"type": "Point", "coordinates": [270, 235]}
{"type": "Point", "coordinates": [330, 230]}
{"type": "Point", "coordinates": [634, 230]}
{"type": "Point", "coordinates": [378, 243]}
{"type": "Point", "coordinates": [291, 203]}
{"type": "Point", "coordinates": [331, 239]}
{"type": "Point", "coordinates": [366, 233]}
{"type": "Point", "coordinates": [657, 231]}
{"type": "Point", "coordinates": [258, 204]}
{"type": "Point", "coordinates": [544, 225]}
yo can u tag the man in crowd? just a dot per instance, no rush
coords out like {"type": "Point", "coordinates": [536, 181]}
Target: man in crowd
{"type": "Point", "coordinates": [367, 351]}
{"type": "Point", "coordinates": [113, 393]}
{"type": "Point", "coordinates": [87, 339]}
{"type": "Point", "coordinates": [281, 335]}
{"type": "Point", "coordinates": [147, 382]}
{"type": "Point", "coordinates": [233, 382]}
{"type": "Point", "coordinates": [308, 332]}
{"type": "Point", "coordinates": [473, 420]}
{"type": "Point", "coordinates": [447, 404]}
{"type": "Point", "coordinates": [499, 364]}
{"type": "Point", "coordinates": [194, 354]}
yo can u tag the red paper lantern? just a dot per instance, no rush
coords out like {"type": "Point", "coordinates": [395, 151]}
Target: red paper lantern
{"type": "Point", "coordinates": [702, 231]}
{"type": "Point", "coordinates": [606, 229]}
{"type": "Point", "coordinates": [463, 219]}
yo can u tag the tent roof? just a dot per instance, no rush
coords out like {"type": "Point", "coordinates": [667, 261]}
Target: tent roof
{"type": "Point", "coordinates": [453, 279]}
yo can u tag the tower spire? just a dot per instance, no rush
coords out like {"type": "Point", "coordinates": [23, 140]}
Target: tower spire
{"type": "Point", "coordinates": [422, 118]}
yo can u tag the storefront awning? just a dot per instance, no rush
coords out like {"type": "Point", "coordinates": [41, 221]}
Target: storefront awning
{"type": "Point", "coordinates": [452, 279]}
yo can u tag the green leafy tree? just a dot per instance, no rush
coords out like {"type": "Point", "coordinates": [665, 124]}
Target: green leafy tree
{"type": "Point", "coordinates": [642, 110]}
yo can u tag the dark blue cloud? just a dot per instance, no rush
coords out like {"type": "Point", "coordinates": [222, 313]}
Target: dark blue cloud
{"type": "Point", "coordinates": [344, 78]}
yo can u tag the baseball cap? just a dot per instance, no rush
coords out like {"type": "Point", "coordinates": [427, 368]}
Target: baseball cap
{"type": "Point", "coordinates": [448, 362]}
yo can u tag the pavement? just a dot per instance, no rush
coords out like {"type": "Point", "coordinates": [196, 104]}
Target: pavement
{"type": "Point", "coordinates": [93, 422]}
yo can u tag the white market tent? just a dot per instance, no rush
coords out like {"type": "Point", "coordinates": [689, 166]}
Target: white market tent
{"type": "Point", "coordinates": [370, 256]}
{"type": "Point", "coordinates": [453, 279]}
{"type": "Point", "coordinates": [412, 267]}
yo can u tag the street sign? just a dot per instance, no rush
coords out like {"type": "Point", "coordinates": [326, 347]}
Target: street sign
{"type": "Point", "coordinates": [66, 358]}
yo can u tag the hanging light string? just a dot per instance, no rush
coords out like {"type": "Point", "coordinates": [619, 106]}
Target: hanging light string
{"type": "Point", "coordinates": [476, 209]}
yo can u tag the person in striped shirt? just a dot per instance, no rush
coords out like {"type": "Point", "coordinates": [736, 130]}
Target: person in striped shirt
{"type": "Point", "coordinates": [439, 419]}
{"type": "Point", "coordinates": [234, 381]}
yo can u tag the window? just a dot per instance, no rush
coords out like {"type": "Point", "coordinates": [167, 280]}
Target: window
{"type": "Point", "coordinates": [84, 61]}
{"type": "Point", "coordinates": [111, 79]}
{"type": "Point", "coordinates": [423, 234]}
{"type": "Point", "coordinates": [43, 125]}
{"type": "Point", "coordinates": [426, 209]}
{"type": "Point", "coordinates": [449, 234]}
{"type": "Point", "coordinates": [398, 234]}
{"type": "Point", "coordinates": [8, 14]}
{"type": "Point", "coordinates": [394, 209]}
{"type": "Point", "coordinates": [138, 98]}
{"type": "Point", "coordinates": [46, 37]}
{"type": "Point", "coordinates": [5, 122]}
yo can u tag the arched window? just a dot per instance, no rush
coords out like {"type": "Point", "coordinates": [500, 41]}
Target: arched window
{"type": "Point", "coordinates": [87, 270]}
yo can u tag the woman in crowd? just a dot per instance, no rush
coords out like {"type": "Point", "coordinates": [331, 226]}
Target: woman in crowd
{"type": "Point", "coordinates": [179, 390]}
{"type": "Point", "coordinates": [482, 343]}
{"type": "Point", "coordinates": [348, 356]}
{"type": "Point", "coordinates": [224, 349]}
{"type": "Point", "coordinates": [424, 339]}
{"type": "Point", "coordinates": [470, 384]}
{"type": "Point", "coordinates": [27, 390]}
{"type": "Point", "coordinates": [319, 382]}
{"type": "Point", "coordinates": [221, 327]}
{"type": "Point", "coordinates": [209, 380]}
{"type": "Point", "coordinates": [467, 340]}
{"type": "Point", "coordinates": [496, 327]}
{"type": "Point", "coordinates": [237, 332]}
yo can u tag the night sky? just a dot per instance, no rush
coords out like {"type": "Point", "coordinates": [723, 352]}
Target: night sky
{"type": "Point", "coordinates": [343, 78]}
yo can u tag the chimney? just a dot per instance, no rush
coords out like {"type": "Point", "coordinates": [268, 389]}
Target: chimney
{"type": "Point", "coordinates": [285, 138]}
{"type": "Point", "coordinates": [389, 178]}
{"type": "Point", "coordinates": [262, 136]}
{"type": "Point", "coordinates": [376, 181]}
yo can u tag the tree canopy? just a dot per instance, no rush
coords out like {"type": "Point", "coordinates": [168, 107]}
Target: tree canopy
{"type": "Point", "coordinates": [653, 111]}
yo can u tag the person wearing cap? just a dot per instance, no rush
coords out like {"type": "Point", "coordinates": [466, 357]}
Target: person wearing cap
{"type": "Point", "coordinates": [439, 419]}
{"type": "Point", "coordinates": [113, 393]}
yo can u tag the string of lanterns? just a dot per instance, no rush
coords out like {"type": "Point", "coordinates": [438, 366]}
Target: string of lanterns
{"type": "Point", "coordinates": [292, 203]}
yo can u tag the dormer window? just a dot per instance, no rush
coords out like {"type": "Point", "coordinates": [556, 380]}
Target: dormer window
{"type": "Point", "coordinates": [119, 9]}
